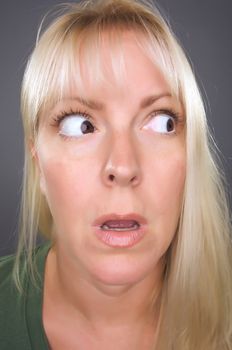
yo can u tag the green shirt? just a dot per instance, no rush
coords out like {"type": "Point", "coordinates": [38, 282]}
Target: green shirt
{"type": "Point", "coordinates": [21, 326]}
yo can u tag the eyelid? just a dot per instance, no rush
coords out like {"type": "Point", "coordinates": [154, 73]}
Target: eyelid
{"type": "Point", "coordinates": [65, 114]}
{"type": "Point", "coordinates": [169, 112]}
{"type": "Point", "coordinates": [57, 118]}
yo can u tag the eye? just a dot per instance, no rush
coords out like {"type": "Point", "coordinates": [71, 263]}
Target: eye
{"type": "Point", "coordinates": [75, 125]}
{"type": "Point", "coordinates": [163, 123]}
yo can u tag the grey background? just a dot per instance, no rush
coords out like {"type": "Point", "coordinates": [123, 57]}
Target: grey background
{"type": "Point", "coordinates": [203, 27]}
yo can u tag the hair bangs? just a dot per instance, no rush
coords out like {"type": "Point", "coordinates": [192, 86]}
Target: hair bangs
{"type": "Point", "coordinates": [80, 58]}
{"type": "Point", "coordinates": [98, 58]}
{"type": "Point", "coordinates": [89, 61]}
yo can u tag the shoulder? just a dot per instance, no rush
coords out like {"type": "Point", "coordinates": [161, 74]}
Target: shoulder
{"type": "Point", "coordinates": [7, 265]}
{"type": "Point", "coordinates": [6, 278]}
{"type": "Point", "coordinates": [6, 268]}
{"type": "Point", "coordinates": [12, 323]}
{"type": "Point", "coordinates": [13, 316]}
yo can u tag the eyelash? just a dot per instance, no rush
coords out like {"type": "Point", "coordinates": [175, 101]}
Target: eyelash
{"type": "Point", "coordinates": [169, 112]}
{"type": "Point", "coordinates": [66, 113]}
{"type": "Point", "coordinates": [63, 114]}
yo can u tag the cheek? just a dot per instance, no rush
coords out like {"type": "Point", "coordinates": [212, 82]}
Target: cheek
{"type": "Point", "coordinates": [166, 178]}
{"type": "Point", "coordinates": [170, 182]}
{"type": "Point", "coordinates": [164, 199]}
{"type": "Point", "coordinates": [68, 186]}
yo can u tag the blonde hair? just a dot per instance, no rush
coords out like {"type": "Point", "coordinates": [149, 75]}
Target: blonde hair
{"type": "Point", "coordinates": [197, 286]}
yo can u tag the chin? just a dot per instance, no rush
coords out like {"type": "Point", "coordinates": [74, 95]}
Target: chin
{"type": "Point", "coordinates": [120, 271]}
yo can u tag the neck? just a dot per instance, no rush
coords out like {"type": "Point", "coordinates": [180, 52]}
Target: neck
{"type": "Point", "coordinates": [100, 304]}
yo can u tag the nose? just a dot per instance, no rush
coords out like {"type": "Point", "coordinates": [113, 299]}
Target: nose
{"type": "Point", "coordinates": [122, 166]}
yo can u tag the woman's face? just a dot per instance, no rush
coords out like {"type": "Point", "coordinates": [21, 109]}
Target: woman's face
{"type": "Point", "coordinates": [129, 157]}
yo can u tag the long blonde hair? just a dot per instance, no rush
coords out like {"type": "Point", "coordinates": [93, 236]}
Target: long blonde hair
{"type": "Point", "coordinates": [197, 286]}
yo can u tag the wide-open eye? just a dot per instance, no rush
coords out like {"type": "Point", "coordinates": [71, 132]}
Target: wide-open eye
{"type": "Point", "coordinates": [75, 125]}
{"type": "Point", "coordinates": [162, 123]}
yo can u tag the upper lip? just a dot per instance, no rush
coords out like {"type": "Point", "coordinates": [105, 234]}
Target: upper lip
{"type": "Point", "coordinates": [131, 216]}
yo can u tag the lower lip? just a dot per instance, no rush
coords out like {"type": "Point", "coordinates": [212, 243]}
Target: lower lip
{"type": "Point", "coordinates": [121, 239]}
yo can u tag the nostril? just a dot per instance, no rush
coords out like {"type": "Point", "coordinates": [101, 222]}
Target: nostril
{"type": "Point", "coordinates": [111, 177]}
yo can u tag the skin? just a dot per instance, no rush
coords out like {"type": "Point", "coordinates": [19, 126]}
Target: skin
{"type": "Point", "coordinates": [95, 296]}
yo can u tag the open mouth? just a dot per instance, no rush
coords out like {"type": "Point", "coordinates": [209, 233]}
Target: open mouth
{"type": "Point", "coordinates": [120, 225]}
{"type": "Point", "coordinates": [114, 235]}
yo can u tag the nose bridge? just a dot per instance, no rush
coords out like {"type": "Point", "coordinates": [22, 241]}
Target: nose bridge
{"type": "Point", "coordinates": [122, 164]}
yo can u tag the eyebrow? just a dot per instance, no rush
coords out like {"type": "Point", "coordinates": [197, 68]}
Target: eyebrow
{"type": "Point", "coordinates": [96, 105]}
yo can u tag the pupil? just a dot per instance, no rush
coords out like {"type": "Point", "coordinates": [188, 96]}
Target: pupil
{"type": "Point", "coordinates": [170, 125]}
{"type": "Point", "coordinates": [86, 127]}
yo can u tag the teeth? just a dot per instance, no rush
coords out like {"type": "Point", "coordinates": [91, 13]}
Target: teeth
{"type": "Point", "coordinates": [108, 228]}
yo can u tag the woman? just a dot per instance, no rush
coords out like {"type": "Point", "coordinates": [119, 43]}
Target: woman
{"type": "Point", "coordinates": [120, 177]}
